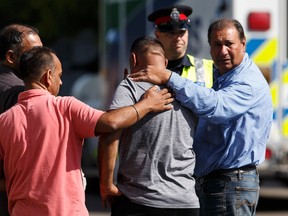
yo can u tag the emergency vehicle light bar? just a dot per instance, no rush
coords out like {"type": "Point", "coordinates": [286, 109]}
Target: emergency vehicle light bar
{"type": "Point", "coordinates": [259, 21]}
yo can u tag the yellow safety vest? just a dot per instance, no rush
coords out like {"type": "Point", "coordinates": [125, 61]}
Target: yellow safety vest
{"type": "Point", "coordinates": [204, 71]}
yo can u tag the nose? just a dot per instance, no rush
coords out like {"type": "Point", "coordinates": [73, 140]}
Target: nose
{"type": "Point", "coordinates": [224, 49]}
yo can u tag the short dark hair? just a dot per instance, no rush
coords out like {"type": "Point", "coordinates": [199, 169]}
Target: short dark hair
{"type": "Point", "coordinates": [143, 44]}
{"type": "Point", "coordinates": [34, 62]}
{"type": "Point", "coordinates": [225, 22]}
{"type": "Point", "coordinates": [11, 38]}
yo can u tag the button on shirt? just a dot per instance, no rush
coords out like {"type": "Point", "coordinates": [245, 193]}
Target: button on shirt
{"type": "Point", "coordinates": [235, 117]}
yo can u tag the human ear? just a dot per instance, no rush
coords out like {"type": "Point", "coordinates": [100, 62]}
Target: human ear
{"type": "Point", "coordinates": [166, 62]}
{"type": "Point", "coordinates": [46, 78]}
{"type": "Point", "coordinates": [10, 56]}
{"type": "Point", "coordinates": [157, 34]}
{"type": "Point", "coordinates": [133, 60]}
{"type": "Point", "coordinates": [244, 44]}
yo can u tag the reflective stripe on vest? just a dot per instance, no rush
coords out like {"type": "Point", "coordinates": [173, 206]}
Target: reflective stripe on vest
{"type": "Point", "coordinates": [204, 71]}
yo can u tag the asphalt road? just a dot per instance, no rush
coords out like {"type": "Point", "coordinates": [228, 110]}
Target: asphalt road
{"type": "Point", "coordinates": [273, 199]}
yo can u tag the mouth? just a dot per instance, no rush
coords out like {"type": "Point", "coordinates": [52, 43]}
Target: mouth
{"type": "Point", "coordinates": [178, 44]}
{"type": "Point", "coordinates": [224, 61]}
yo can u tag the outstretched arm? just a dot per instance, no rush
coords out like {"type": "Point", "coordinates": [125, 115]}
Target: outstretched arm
{"type": "Point", "coordinates": [107, 155]}
{"type": "Point", "coordinates": [153, 101]}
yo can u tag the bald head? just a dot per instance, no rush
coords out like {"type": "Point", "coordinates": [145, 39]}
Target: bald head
{"type": "Point", "coordinates": [41, 68]}
{"type": "Point", "coordinates": [16, 39]}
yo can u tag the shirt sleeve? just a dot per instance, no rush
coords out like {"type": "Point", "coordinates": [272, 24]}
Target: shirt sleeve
{"type": "Point", "coordinates": [84, 118]}
{"type": "Point", "coordinates": [125, 95]}
{"type": "Point", "coordinates": [219, 106]}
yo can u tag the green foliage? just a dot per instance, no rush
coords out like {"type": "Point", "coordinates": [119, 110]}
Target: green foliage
{"type": "Point", "coordinates": [53, 18]}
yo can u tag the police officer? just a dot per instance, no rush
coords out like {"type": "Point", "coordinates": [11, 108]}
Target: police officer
{"type": "Point", "coordinates": [171, 28]}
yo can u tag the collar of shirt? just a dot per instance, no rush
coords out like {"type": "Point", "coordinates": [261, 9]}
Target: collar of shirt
{"type": "Point", "coordinates": [220, 79]}
{"type": "Point", "coordinates": [178, 64]}
{"type": "Point", "coordinates": [237, 132]}
{"type": "Point", "coordinates": [7, 69]}
{"type": "Point", "coordinates": [32, 93]}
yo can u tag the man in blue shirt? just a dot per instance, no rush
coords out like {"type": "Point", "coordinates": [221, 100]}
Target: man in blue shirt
{"type": "Point", "coordinates": [234, 122]}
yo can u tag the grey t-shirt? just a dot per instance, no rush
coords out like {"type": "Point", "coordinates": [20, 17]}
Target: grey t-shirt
{"type": "Point", "coordinates": [156, 159]}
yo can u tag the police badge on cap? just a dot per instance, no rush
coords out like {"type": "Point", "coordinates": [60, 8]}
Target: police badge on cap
{"type": "Point", "coordinates": [172, 18]}
{"type": "Point", "coordinates": [175, 15]}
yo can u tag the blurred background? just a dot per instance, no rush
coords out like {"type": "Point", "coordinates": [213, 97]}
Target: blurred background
{"type": "Point", "coordinates": [92, 39]}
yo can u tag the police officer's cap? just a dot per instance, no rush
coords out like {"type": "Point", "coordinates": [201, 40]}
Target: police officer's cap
{"type": "Point", "coordinates": [172, 18]}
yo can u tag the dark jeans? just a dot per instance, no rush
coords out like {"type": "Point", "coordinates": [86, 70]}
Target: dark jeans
{"type": "Point", "coordinates": [229, 194]}
{"type": "Point", "coordinates": [122, 206]}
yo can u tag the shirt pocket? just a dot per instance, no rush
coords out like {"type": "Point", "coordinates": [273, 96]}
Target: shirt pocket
{"type": "Point", "coordinates": [214, 134]}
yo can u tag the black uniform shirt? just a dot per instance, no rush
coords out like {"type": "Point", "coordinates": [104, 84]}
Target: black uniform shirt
{"type": "Point", "coordinates": [178, 64]}
{"type": "Point", "coordinates": [10, 87]}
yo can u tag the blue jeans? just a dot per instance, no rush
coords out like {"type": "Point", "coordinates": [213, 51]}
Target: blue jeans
{"type": "Point", "coordinates": [229, 194]}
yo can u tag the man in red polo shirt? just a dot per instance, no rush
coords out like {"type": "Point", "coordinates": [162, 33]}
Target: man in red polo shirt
{"type": "Point", "coordinates": [41, 138]}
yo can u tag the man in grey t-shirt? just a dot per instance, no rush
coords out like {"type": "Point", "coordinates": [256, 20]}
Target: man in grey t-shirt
{"type": "Point", "coordinates": [156, 158]}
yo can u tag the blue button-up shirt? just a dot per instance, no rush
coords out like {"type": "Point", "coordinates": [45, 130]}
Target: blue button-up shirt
{"type": "Point", "coordinates": [235, 117]}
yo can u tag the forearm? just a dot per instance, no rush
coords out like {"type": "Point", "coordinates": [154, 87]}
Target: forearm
{"type": "Point", "coordinates": [120, 118]}
{"type": "Point", "coordinates": [107, 156]}
{"type": "Point", "coordinates": [153, 100]}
